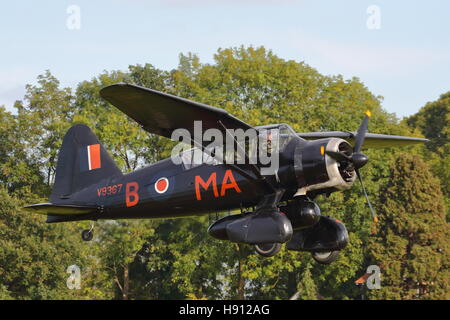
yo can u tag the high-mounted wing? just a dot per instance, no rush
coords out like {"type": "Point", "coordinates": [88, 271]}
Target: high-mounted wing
{"type": "Point", "coordinates": [372, 140]}
{"type": "Point", "coordinates": [162, 113]}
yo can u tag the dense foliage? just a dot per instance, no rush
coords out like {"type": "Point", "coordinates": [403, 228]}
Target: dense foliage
{"type": "Point", "coordinates": [176, 259]}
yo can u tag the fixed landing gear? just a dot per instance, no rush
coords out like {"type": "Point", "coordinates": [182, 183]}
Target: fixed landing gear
{"type": "Point", "coordinates": [88, 234]}
{"type": "Point", "coordinates": [325, 257]}
{"type": "Point", "coordinates": [268, 249]}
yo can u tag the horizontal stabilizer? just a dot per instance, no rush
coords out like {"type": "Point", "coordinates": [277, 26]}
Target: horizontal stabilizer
{"type": "Point", "coordinates": [53, 209]}
{"type": "Point", "coordinates": [372, 140]}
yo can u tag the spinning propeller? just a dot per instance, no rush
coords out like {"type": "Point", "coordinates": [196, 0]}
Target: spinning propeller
{"type": "Point", "coordinates": [358, 159]}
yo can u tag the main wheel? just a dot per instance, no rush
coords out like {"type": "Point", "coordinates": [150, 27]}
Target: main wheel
{"type": "Point", "coordinates": [325, 257]}
{"type": "Point", "coordinates": [87, 235]}
{"type": "Point", "coordinates": [268, 249]}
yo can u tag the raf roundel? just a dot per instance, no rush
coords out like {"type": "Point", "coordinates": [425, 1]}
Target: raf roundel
{"type": "Point", "coordinates": [161, 185]}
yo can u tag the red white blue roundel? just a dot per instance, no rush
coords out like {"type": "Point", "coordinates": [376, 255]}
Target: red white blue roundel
{"type": "Point", "coordinates": [161, 185]}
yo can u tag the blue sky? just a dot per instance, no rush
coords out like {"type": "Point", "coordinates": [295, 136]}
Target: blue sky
{"type": "Point", "coordinates": [407, 60]}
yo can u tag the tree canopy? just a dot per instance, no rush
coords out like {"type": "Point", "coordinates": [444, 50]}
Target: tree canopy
{"type": "Point", "coordinates": [176, 259]}
{"type": "Point", "coordinates": [411, 245]}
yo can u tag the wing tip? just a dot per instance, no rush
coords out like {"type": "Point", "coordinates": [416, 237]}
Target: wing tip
{"type": "Point", "coordinates": [110, 94]}
{"type": "Point", "coordinates": [104, 91]}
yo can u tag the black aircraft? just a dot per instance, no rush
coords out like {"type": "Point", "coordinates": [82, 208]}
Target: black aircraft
{"type": "Point", "coordinates": [275, 208]}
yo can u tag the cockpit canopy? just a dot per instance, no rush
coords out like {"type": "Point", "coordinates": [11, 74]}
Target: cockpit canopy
{"type": "Point", "coordinates": [242, 147]}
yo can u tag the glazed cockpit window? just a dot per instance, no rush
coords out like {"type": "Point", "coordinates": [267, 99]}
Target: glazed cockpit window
{"type": "Point", "coordinates": [194, 157]}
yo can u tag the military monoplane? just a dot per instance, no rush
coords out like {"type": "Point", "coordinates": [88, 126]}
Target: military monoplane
{"type": "Point", "coordinates": [274, 205]}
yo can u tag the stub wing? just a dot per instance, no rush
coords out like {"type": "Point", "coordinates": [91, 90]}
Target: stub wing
{"type": "Point", "coordinates": [372, 140]}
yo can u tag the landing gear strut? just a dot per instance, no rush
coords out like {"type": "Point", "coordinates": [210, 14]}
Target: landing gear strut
{"type": "Point", "coordinates": [88, 234]}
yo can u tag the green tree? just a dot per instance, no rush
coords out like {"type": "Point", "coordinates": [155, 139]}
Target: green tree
{"type": "Point", "coordinates": [44, 117]}
{"type": "Point", "coordinates": [306, 285]}
{"type": "Point", "coordinates": [433, 121]}
{"type": "Point", "coordinates": [182, 261]}
{"type": "Point", "coordinates": [34, 256]}
{"type": "Point", "coordinates": [411, 245]}
{"type": "Point", "coordinates": [120, 243]}
{"type": "Point", "coordinates": [18, 172]}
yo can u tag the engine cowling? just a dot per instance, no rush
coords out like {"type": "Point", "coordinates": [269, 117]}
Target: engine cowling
{"type": "Point", "coordinates": [316, 170]}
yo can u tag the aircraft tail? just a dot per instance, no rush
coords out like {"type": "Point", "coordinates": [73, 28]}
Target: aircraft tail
{"type": "Point", "coordinates": [82, 162]}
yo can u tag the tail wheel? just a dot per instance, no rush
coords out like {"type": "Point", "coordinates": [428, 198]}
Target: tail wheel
{"type": "Point", "coordinates": [87, 235]}
{"type": "Point", "coordinates": [325, 257]}
{"type": "Point", "coordinates": [268, 249]}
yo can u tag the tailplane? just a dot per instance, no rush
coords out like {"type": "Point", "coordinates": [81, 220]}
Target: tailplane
{"type": "Point", "coordinates": [60, 210]}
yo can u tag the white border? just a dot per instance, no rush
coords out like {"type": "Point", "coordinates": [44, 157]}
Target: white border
{"type": "Point", "coordinates": [167, 185]}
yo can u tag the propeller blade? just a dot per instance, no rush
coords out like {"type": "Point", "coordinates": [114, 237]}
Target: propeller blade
{"type": "Point", "coordinates": [361, 133]}
{"type": "Point", "coordinates": [338, 156]}
{"type": "Point", "coordinates": [372, 211]}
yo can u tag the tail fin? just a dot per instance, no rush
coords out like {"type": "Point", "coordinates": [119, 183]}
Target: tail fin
{"type": "Point", "coordinates": [82, 162]}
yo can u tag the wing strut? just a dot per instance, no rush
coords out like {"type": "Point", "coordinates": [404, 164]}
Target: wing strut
{"type": "Point", "coordinates": [253, 167]}
{"type": "Point", "coordinates": [209, 153]}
